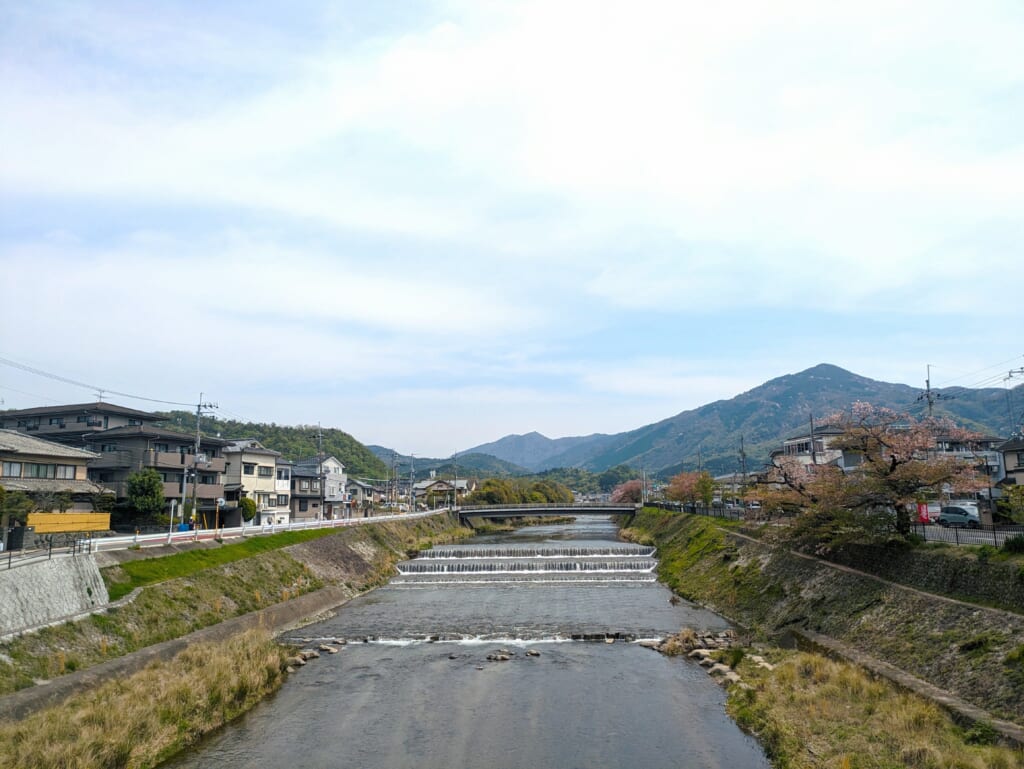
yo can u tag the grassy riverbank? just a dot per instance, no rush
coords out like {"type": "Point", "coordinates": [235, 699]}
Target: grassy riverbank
{"type": "Point", "coordinates": [141, 720]}
{"type": "Point", "coordinates": [810, 711]}
{"type": "Point", "coordinates": [188, 591]}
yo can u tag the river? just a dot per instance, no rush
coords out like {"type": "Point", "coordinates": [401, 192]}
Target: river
{"type": "Point", "coordinates": [413, 686]}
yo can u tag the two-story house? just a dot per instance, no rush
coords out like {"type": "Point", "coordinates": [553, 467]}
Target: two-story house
{"type": "Point", "coordinates": [816, 449]}
{"type": "Point", "coordinates": [331, 473]}
{"type": "Point", "coordinates": [56, 478]}
{"type": "Point", "coordinates": [261, 474]}
{"type": "Point", "coordinates": [1012, 453]}
{"type": "Point", "coordinates": [306, 499]}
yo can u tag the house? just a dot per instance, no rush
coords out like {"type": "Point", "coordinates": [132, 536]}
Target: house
{"type": "Point", "coordinates": [255, 472]}
{"type": "Point", "coordinates": [70, 424]}
{"type": "Point", "coordinates": [362, 495]}
{"type": "Point", "coordinates": [1012, 454]}
{"type": "Point", "coordinates": [188, 477]}
{"type": "Point", "coordinates": [440, 490]}
{"type": "Point", "coordinates": [57, 477]}
{"type": "Point", "coordinates": [816, 449]}
{"type": "Point", "coordinates": [306, 500]}
{"type": "Point", "coordinates": [330, 472]}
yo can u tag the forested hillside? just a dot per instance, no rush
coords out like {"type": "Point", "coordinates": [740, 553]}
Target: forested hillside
{"type": "Point", "coordinates": [294, 442]}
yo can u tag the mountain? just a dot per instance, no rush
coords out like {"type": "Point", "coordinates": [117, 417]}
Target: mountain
{"type": "Point", "coordinates": [294, 442]}
{"type": "Point", "coordinates": [471, 463]}
{"type": "Point", "coordinates": [710, 436]}
{"type": "Point", "coordinates": [534, 451]}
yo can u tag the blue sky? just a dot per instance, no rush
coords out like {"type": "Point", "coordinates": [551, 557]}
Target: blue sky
{"type": "Point", "coordinates": [435, 224]}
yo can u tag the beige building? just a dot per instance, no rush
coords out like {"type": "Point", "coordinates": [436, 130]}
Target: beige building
{"type": "Point", "coordinates": [56, 477]}
{"type": "Point", "coordinates": [37, 466]}
{"type": "Point", "coordinates": [260, 474]}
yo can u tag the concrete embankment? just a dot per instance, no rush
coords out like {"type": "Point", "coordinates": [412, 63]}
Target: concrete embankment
{"type": "Point", "coordinates": [49, 591]}
{"type": "Point", "coordinates": [972, 651]}
{"type": "Point", "coordinates": [312, 578]}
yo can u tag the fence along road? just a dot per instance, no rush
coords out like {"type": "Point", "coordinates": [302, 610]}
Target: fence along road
{"type": "Point", "coordinates": [85, 546]}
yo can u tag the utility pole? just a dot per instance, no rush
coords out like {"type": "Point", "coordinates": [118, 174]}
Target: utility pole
{"type": "Point", "coordinates": [320, 464]}
{"type": "Point", "coordinates": [1015, 428]}
{"type": "Point", "coordinates": [928, 396]}
{"type": "Point", "coordinates": [412, 483]}
{"type": "Point", "coordinates": [455, 484]}
{"type": "Point", "coordinates": [195, 455]}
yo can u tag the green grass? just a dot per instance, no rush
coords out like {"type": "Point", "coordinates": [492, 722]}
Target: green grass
{"type": "Point", "coordinates": [812, 712]}
{"type": "Point", "coordinates": [153, 570]}
{"type": "Point", "coordinates": [144, 719]}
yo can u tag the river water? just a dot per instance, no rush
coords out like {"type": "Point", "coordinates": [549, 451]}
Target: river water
{"type": "Point", "coordinates": [413, 686]}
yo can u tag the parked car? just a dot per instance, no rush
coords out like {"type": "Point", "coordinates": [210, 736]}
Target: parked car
{"type": "Point", "coordinates": [954, 515]}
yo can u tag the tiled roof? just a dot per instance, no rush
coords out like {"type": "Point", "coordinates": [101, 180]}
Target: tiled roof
{"type": "Point", "coordinates": [148, 431]}
{"type": "Point", "coordinates": [249, 446]}
{"type": "Point", "coordinates": [98, 407]}
{"type": "Point", "coordinates": [53, 485]}
{"type": "Point", "coordinates": [13, 442]}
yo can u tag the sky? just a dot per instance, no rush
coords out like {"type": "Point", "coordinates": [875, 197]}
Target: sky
{"type": "Point", "coordinates": [434, 224]}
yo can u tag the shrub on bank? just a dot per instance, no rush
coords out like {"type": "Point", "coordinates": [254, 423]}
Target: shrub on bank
{"type": "Point", "coordinates": [146, 718]}
{"type": "Point", "coordinates": [813, 712]}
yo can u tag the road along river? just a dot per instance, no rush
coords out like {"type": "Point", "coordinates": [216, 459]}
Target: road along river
{"type": "Point", "coordinates": [413, 686]}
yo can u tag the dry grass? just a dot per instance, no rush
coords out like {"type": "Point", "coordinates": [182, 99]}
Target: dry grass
{"type": "Point", "coordinates": [139, 721]}
{"type": "Point", "coordinates": [814, 712]}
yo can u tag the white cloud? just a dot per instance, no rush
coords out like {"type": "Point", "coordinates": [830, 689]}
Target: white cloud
{"type": "Point", "coordinates": [491, 187]}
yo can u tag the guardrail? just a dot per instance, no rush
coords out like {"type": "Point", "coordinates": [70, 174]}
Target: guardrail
{"type": "Point", "coordinates": [89, 545]}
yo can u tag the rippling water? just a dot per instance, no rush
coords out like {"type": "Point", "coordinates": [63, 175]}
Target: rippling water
{"type": "Point", "coordinates": [413, 686]}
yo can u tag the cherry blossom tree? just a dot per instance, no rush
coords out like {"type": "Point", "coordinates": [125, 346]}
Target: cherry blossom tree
{"type": "Point", "coordinates": [683, 487]}
{"type": "Point", "coordinates": [630, 491]}
{"type": "Point", "coordinates": [895, 461]}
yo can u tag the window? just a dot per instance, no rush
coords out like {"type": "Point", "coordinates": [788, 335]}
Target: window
{"type": "Point", "coordinates": [1020, 459]}
{"type": "Point", "coordinates": [303, 505]}
{"type": "Point", "coordinates": [66, 472]}
{"type": "Point", "coordinates": [304, 485]}
{"type": "Point", "coordinates": [266, 472]}
{"type": "Point", "coordinates": [282, 500]}
{"type": "Point", "coordinates": [12, 469]}
{"type": "Point", "coordinates": [57, 421]}
{"type": "Point", "coordinates": [134, 422]}
{"type": "Point", "coordinates": [208, 479]}
{"type": "Point", "coordinates": [81, 418]}
{"type": "Point", "coordinates": [34, 470]}
{"type": "Point", "coordinates": [108, 447]}
{"type": "Point", "coordinates": [316, 485]}
{"type": "Point", "coordinates": [283, 474]}
{"type": "Point", "coordinates": [163, 448]}
{"type": "Point", "coordinates": [262, 500]}
{"type": "Point", "coordinates": [249, 468]}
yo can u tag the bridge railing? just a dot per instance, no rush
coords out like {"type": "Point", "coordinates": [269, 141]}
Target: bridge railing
{"type": "Point", "coordinates": [624, 507]}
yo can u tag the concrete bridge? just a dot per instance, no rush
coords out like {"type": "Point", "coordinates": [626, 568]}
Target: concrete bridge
{"type": "Point", "coordinates": [531, 510]}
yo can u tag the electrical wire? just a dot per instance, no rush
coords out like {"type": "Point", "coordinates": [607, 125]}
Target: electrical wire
{"type": "Point", "coordinates": [100, 390]}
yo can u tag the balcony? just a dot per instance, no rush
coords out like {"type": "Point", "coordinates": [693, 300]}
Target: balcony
{"type": "Point", "coordinates": [203, 490]}
{"type": "Point", "coordinates": [110, 459]}
{"type": "Point", "coordinates": [173, 460]}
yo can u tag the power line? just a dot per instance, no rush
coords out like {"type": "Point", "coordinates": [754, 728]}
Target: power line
{"type": "Point", "coordinates": [100, 391]}
{"type": "Point", "coordinates": [990, 378]}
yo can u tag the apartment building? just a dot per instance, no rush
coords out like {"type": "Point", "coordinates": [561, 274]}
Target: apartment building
{"type": "Point", "coordinates": [71, 424]}
{"type": "Point", "coordinates": [186, 475]}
